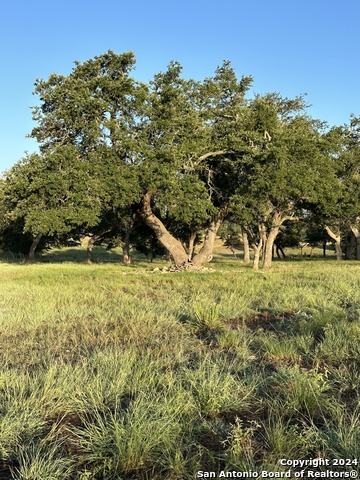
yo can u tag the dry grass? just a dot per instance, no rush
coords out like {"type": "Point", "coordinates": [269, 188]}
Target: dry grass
{"type": "Point", "coordinates": [153, 376]}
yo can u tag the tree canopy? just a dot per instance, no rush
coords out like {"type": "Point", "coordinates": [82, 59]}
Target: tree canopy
{"type": "Point", "coordinates": [179, 155]}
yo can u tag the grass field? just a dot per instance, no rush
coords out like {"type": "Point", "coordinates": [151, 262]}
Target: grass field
{"type": "Point", "coordinates": [112, 372]}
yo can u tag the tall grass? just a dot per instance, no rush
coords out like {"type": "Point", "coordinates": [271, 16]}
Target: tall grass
{"type": "Point", "coordinates": [108, 372]}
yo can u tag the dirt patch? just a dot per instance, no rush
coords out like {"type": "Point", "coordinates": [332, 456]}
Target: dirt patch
{"type": "Point", "coordinates": [269, 320]}
{"type": "Point", "coordinates": [264, 319]}
{"type": "Point", "coordinates": [64, 424]}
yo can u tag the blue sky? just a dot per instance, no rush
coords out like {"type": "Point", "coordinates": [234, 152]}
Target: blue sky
{"type": "Point", "coordinates": [289, 46]}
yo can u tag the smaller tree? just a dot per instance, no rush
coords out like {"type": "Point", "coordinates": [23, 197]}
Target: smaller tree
{"type": "Point", "coordinates": [285, 168]}
{"type": "Point", "coordinates": [51, 194]}
{"type": "Point", "coordinates": [338, 206]}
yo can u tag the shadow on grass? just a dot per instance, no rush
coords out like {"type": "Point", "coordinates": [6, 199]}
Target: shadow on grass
{"type": "Point", "coordinates": [78, 255]}
{"type": "Point", "coordinates": [114, 256]}
{"type": "Point", "coordinates": [228, 260]}
{"type": "Point", "coordinates": [64, 255]}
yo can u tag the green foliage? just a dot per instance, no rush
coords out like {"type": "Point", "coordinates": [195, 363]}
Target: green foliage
{"type": "Point", "coordinates": [195, 147]}
{"type": "Point", "coordinates": [51, 193]}
{"type": "Point", "coordinates": [95, 101]}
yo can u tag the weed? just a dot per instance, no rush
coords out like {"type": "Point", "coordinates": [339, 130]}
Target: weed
{"type": "Point", "coordinates": [299, 391]}
{"type": "Point", "coordinates": [283, 439]}
{"type": "Point", "coordinates": [206, 318]}
{"type": "Point", "coordinates": [341, 436]}
{"type": "Point", "coordinates": [41, 462]}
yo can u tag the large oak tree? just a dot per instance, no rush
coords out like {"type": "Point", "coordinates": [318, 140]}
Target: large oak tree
{"type": "Point", "coordinates": [176, 135]}
{"type": "Point", "coordinates": [175, 149]}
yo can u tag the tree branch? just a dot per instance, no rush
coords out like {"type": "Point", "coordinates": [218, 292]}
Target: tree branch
{"type": "Point", "coordinates": [267, 136]}
{"type": "Point", "coordinates": [211, 154]}
{"type": "Point", "coordinates": [289, 217]}
{"type": "Point", "coordinates": [348, 134]}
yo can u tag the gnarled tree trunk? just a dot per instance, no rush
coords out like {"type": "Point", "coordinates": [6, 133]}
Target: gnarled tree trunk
{"type": "Point", "coordinates": [268, 247]}
{"type": "Point", "coordinates": [191, 245]}
{"type": "Point", "coordinates": [279, 250]}
{"type": "Point", "coordinates": [206, 251]}
{"type": "Point", "coordinates": [92, 241]}
{"type": "Point", "coordinates": [172, 245]}
{"type": "Point", "coordinates": [254, 237]}
{"type": "Point", "coordinates": [277, 221]}
{"type": "Point", "coordinates": [337, 242]}
{"type": "Point", "coordinates": [127, 225]}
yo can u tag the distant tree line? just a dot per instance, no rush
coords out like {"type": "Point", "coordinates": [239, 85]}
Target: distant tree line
{"type": "Point", "coordinates": [172, 163]}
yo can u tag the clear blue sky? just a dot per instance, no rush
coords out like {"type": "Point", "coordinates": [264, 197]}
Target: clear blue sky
{"type": "Point", "coordinates": [289, 46]}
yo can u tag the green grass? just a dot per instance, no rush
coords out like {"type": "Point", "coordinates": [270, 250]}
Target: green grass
{"type": "Point", "coordinates": [112, 372]}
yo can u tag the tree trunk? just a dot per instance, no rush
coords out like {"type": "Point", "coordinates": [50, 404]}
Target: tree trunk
{"type": "Point", "coordinates": [172, 245]}
{"type": "Point", "coordinates": [356, 233]}
{"type": "Point", "coordinates": [337, 240]}
{"type": "Point", "coordinates": [324, 248]}
{"type": "Point", "coordinates": [246, 247]}
{"type": "Point", "coordinates": [92, 241]}
{"type": "Point", "coordinates": [269, 239]}
{"type": "Point", "coordinates": [268, 247]}
{"type": "Point", "coordinates": [90, 245]}
{"type": "Point", "coordinates": [257, 251]}
{"type": "Point", "coordinates": [350, 241]}
{"type": "Point", "coordinates": [233, 251]}
{"type": "Point", "coordinates": [35, 243]}
{"type": "Point", "coordinates": [263, 236]}
{"type": "Point", "coordinates": [191, 245]}
{"type": "Point", "coordinates": [279, 251]}
{"type": "Point", "coordinates": [206, 251]}
{"type": "Point", "coordinates": [126, 249]}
